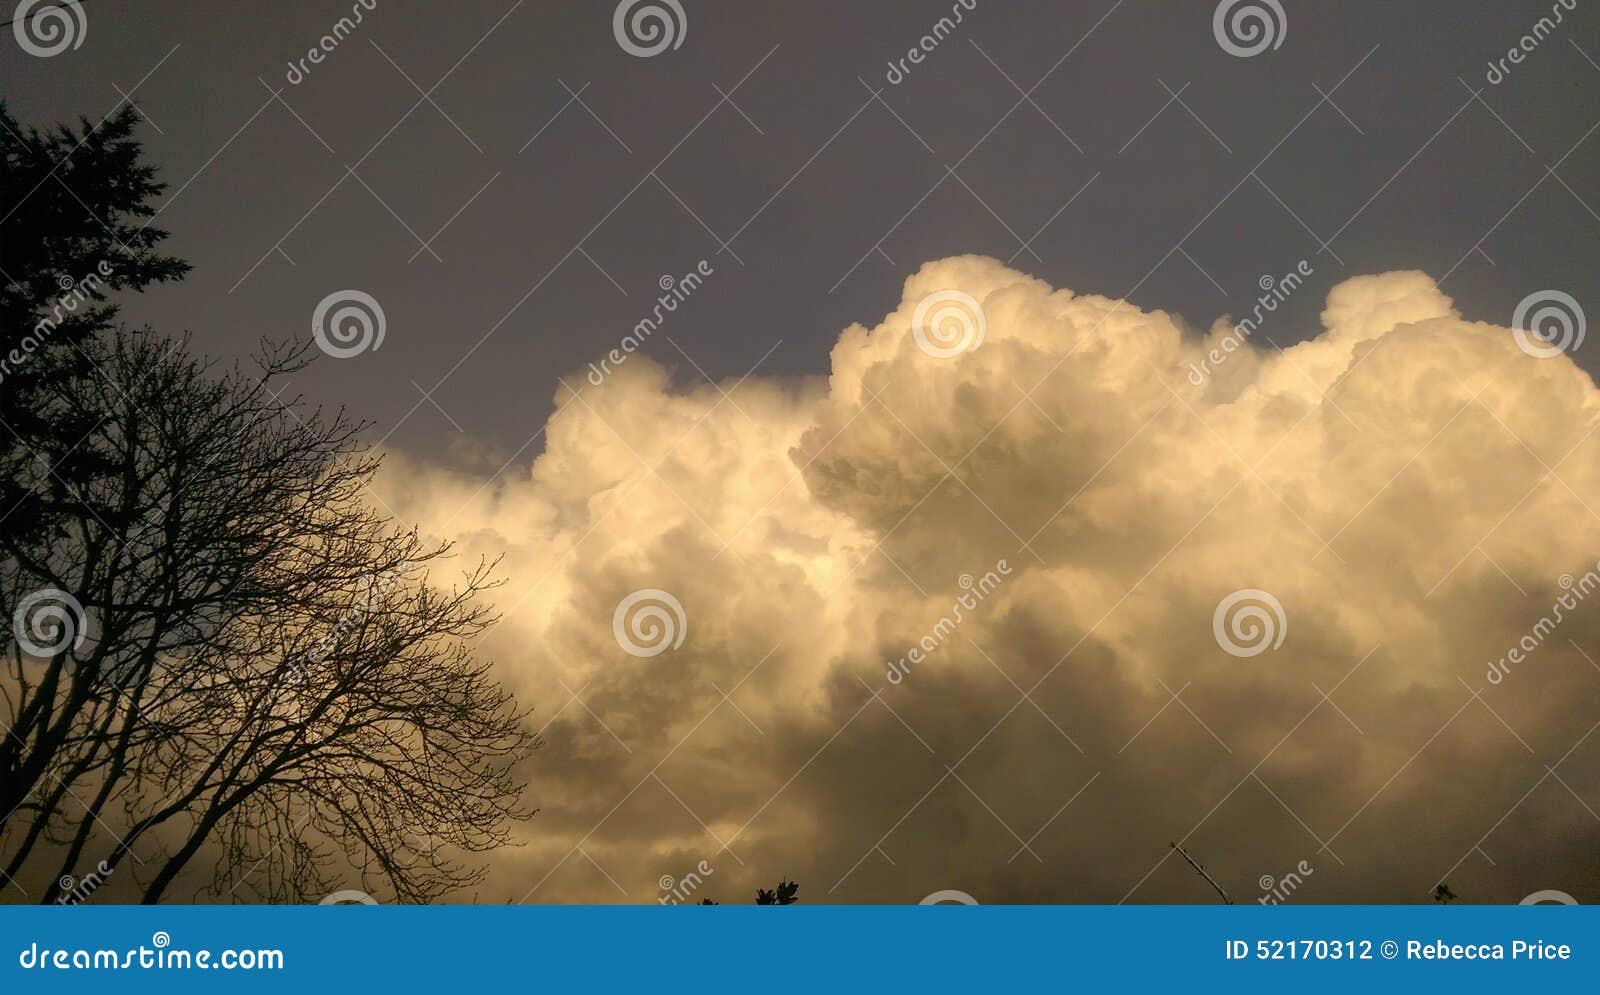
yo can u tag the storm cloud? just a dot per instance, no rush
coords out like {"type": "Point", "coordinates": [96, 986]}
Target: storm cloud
{"type": "Point", "coordinates": [964, 613]}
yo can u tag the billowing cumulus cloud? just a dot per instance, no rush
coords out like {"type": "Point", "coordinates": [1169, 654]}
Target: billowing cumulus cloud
{"type": "Point", "coordinates": [950, 613]}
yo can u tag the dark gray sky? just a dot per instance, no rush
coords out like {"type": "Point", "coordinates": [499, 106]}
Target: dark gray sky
{"type": "Point", "coordinates": [817, 177]}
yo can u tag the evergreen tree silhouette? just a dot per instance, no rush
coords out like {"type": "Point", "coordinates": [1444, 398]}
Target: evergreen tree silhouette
{"type": "Point", "coordinates": [78, 203]}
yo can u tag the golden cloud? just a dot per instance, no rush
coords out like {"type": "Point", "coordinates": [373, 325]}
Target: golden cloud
{"type": "Point", "coordinates": [1407, 488]}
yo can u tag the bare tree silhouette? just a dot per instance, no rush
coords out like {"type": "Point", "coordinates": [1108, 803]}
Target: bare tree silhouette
{"type": "Point", "coordinates": [260, 661]}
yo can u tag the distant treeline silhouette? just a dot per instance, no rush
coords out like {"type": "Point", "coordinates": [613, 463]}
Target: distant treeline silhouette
{"type": "Point", "coordinates": [784, 894]}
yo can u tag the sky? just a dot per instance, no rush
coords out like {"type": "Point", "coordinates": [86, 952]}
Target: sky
{"type": "Point", "coordinates": [959, 317]}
